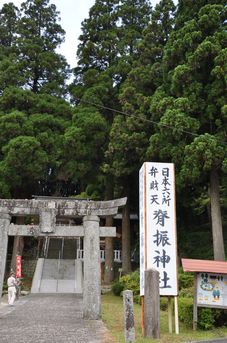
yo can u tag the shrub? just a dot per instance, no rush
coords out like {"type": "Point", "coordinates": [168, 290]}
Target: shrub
{"type": "Point", "coordinates": [186, 280]}
{"type": "Point", "coordinates": [206, 318]}
{"type": "Point", "coordinates": [186, 292]}
{"type": "Point", "coordinates": [185, 309]}
{"type": "Point", "coordinates": [117, 288]}
{"type": "Point", "coordinates": [130, 281]}
{"type": "Point", "coordinates": [137, 299]}
{"type": "Point", "coordinates": [163, 303]}
{"type": "Point", "coordinates": [220, 317]}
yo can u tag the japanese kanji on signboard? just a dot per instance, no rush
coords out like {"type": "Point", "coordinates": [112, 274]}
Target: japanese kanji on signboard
{"type": "Point", "coordinates": [158, 246]}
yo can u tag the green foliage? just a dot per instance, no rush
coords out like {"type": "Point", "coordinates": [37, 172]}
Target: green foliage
{"type": "Point", "coordinates": [117, 288]}
{"type": "Point", "coordinates": [126, 147]}
{"type": "Point", "coordinates": [220, 317]}
{"type": "Point", "coordinates": [39, 21]}
{"type": "Point", "coordinates": [98, 39]}
{"type": "Point", "coordinates": [185, 310]}
{"type": "Point", "coordinates": [130, 282]}
{"type": "Point", "coordinates": [129, 135]}
{"type": "Point", "coordinates": [186, 280]}
{"type": "Point", "coordinates": [110, 35]}
{"type": "Point", "coordinates": [11, 126]}
{"type": "Point", "coordinates": [92, 193]}
{"type": "Point", "coordinates": [30, 37]}
{"type": "Point", "coordinates": [205, 148]}
{"type": "Point", "coordinates": [163, 303]}
{"type": "Point", "coordinates": [206, 318]}
{"type": "Point", "coordinates": [167, 71]}
{"type": "Point", "coordinates": [194, 237]}
{"type": "Point", "coordinates": [24, 159]}
{"type": "Point", "coordinates": [84, 144]}
{"type": "Point", "coordinates": [188, 107]}
{"type": "Point", "coordinates": [186, 292]}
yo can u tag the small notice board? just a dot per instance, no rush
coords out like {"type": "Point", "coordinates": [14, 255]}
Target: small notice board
{"type": "Point", "coordinates": [210, 288]}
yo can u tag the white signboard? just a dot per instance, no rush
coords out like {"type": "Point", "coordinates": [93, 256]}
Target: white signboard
{"type": "Point", "coordinates": [158, 225]}
{"type": "Point", "coordinates": [212, 290]}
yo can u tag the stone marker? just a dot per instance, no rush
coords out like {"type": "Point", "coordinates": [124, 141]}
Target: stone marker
{"type": "Point", "coordinates": [128, 316]}
{"type": "Point", "coordinates": [151, 304]}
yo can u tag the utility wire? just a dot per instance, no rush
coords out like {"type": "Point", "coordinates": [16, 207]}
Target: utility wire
{"type": "Point", "coordinates": [133, 115]}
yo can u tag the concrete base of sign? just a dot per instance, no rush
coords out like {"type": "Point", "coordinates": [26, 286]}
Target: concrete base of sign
{"type": "Point", "coordinates": [57, 276]}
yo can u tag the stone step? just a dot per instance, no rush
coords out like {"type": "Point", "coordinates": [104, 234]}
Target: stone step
{"type": "Point", "coordinates": [58, 276]}
{"type": "Point", "coordinates": [58, 269]}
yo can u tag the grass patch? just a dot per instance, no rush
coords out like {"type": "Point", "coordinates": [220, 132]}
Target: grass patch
{"type": "Point", "coordinates": [112, 315]}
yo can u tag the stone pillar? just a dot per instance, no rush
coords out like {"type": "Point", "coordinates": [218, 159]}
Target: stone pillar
{"type": "Point", "coordinates": [129, 316]}
{"type": "Point", "coordinates": [151, 304]}
{"type": "Point", "coordinates": [4, 225]}
{"type": "Point", "coordinates": [92, 274]}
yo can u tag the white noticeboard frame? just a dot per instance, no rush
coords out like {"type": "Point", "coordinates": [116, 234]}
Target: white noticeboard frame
{"type": "Point", "coordinates": [158, 243]}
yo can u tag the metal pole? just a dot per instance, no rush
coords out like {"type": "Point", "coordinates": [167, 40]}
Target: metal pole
{"type": "Point", "coordinates": [170, 318]}
{"type": "Point", "coordinates": [176, 315]}
{"type": "Point", "coordinates": [142, 315]}
{"type": "Point", "coordinates": [195, 309]}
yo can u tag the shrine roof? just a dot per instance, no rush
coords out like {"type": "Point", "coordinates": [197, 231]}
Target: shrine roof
{"type": "Point", "coordinates": [209, 266]}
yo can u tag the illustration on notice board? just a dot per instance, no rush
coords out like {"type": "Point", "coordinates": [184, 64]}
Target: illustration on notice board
{"type": "Point", "coordinates": [212, 289]}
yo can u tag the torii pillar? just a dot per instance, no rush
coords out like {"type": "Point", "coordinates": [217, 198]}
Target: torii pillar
{"type": "Point", "coordinates": [92, 272]}
{"type": "Point", "coordinates": [4, 225]}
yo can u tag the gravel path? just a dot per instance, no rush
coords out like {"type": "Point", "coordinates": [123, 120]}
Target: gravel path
{"type": "Point", "coordinates": [49, 318]}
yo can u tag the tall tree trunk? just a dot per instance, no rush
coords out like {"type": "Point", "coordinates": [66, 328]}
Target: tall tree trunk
{"type": "Point", "coordinates": [18, 246]}
{"type": "Point", "coordinates": [126, 239]}
{"type": "Point", "coordinates": [218, 242]}
{"type": "Point", "coordinates": [109, 243]}
{"type": "Point", "coordinates": [109, 255]}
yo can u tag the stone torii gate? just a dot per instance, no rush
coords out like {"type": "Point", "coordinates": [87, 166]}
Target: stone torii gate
{"type": "Point", "coordinates": [47, 210]}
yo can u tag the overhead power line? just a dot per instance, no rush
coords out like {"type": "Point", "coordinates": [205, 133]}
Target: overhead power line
{"type": "Point", "coordinates": [133, 115]}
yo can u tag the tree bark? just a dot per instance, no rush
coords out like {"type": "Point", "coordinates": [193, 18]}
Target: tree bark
{"type": "Point", "coordinates": [109, 255]}
{"type": "Point", "coordinates": [126, 240]}
{"type": "Point", "coordinates": [18, 246]}
{"type": "Point", "coordinates": [109, 241]}
{"type": "Point", "coordinates": [216, 220]}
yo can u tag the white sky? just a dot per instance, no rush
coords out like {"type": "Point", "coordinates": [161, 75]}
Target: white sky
{"type": "Point", "coordinates": [72, 13]}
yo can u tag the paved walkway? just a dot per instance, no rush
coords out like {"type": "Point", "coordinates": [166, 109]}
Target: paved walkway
{"type": "Point", "coordinates": [49, 319]}
{"type": "Point", "coordinates": [220, 340]}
